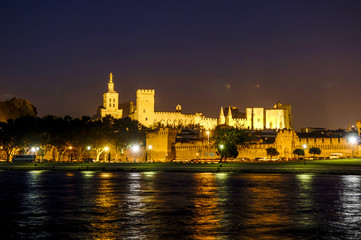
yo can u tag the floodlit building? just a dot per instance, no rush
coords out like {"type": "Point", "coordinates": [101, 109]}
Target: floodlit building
{"type": "Point", "coordinates": [110, 104]}
{"type": "Point", "coordinates": [198, 146]}
{"type": "Point", "coordinates": [278, 117]}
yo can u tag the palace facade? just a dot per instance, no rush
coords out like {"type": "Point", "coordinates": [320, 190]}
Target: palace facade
{"type": "Point", "coordinates": [167, 144]}
{"type": "Point", "coordinates": [278, 117]}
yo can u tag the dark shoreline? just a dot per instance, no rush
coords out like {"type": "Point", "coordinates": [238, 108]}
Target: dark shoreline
{"type": "Point", "coordinates": [347, 167]}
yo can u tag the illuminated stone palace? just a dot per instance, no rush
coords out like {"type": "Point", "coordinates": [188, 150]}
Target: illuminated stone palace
{"type": "Point", "coordinates": [279, 117]}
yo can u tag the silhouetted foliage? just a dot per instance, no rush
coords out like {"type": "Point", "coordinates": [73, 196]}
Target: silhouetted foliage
{"type": "Point", "coordinates": [22, 134]}
{"type": "Point", "coordinates": [227, 139]}
{"type": "Point", "coordinates": [299, 152]}
{"type": "Point", "coordinates": [314, 151]}
{"type": "Point", "coordinates": [271, 151]}
{"type": "Point", "coordinates": [16, 108]}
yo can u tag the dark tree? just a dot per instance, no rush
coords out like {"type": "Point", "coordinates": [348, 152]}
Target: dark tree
{"type": "Point", "coordinates": [8, 139]}
{"type": "Point", "coordinates": [271, 151]}
{"type": "Point", "coordinates": [226, 140]}
{"type": "Point", "coordinates": [16, 108]}
{"type": "Point", "coordinates": [126, 132]}
{"type": "Point", "coordinates": [299, 152]}
{"type": "Point", "coordinates": [314, 151]}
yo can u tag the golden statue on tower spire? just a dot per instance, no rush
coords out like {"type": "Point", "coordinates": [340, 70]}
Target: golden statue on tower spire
{"type": "Point", "coordinates": [111, 77]}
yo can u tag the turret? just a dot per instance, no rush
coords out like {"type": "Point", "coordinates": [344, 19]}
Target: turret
{"type": "Point", "coordinates": [111, 84]}
{"type": "Point", "coordinates": [229, 117]}
{"type": "Point", "coordinates": [221, 119]}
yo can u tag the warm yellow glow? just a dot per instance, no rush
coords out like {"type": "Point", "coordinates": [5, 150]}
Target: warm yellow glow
{"type": "Point", "coordinates": [207, 133]}
{"type": "Point", "coordinates": [266, 196]}
{"type": "Point", "coordinates": [150, 174]}
{"type": "Point", "coordinates": [208, 215]}
{"type": "Point", "coordinates": [352, 140]}
{"type": "Point", "coordinates": [70, 147]}
{"type": "Point", "coordinates": [135, 148]}
{"type": "Point", "coordinates": [88, 174]}
{"type": "Point", "coordinates": [106, 148]}
{"type": "Point", "coordinates": [150, 147]}
{"type": "Point", "coordinates": [222, 176]}
{"type": "Point", "coordinates": [105, 175]}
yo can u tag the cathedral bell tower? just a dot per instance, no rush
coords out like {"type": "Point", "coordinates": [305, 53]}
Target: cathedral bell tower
{"type": "Point", "coordinates": [110, 101]}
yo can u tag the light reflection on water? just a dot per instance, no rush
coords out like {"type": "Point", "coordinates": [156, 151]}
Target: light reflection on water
{"type": "Point", "coordinates": [152, 205]}
{"type": "Point", "coordinates": [207, 212]}
{"type": "Point", "coordinates": [305, 200]}
{"type": "Point", "coordinates": [350, 198]}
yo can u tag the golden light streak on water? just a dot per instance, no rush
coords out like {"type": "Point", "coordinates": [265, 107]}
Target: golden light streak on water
{"type": "Point", "coordinates": [350, 211]}
{"type": "Point", "coordinates": [264, 199]}
{"type": "Point", "coordinates": [305, 202]}
{"type": "Point", "coordinates": [105, 200]}
{"type": "Point", "coordinates": [207, 213]}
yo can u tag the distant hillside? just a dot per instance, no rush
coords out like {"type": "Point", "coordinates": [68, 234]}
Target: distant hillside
{"type": "Point", "coordinates": [15, 108]}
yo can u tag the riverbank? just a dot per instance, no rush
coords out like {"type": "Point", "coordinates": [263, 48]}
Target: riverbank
{"type": "Point", "coordinates": [341, 166]}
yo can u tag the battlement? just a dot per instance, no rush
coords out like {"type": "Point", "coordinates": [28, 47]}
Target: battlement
{"type": "Point", "coordinates": [145, 91]}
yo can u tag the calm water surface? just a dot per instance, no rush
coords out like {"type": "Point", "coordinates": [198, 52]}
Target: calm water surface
{"type": "Point", "coordinates": [115, 205]}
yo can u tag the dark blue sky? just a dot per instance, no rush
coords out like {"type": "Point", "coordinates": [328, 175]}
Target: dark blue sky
{"type": "Point", "coordinates": [200, 54]}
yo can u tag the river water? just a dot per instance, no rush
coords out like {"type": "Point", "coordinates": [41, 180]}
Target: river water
{"type": "Point", "coordinates": [151, 205]}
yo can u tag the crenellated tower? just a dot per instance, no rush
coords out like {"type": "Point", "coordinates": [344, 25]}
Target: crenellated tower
{"type": "Point", "coordinates": [145, 107]}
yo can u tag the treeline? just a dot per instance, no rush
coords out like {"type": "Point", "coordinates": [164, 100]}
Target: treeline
{"type": "Point", "coordinates": [23, 135]}
{"type": "Point", "coordinates": [16, 108]}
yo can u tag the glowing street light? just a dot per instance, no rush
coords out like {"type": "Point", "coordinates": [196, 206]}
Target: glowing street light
{"type": "Point", "coordinates": [208, 143]}
{"type": "Point", "coordinates": [88, 148]}
{"type": "Point", "coordinates": [106, 149]}
{"type": "Point", "coordinates": [352, 140]}
{"type": "Point", "coordinates": [304, 157]}
{"type": "Point", "coordinates": [135, 149]}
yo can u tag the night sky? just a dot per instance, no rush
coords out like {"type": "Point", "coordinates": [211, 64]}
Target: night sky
{"type": "Point", "coordinates": [200, 54]}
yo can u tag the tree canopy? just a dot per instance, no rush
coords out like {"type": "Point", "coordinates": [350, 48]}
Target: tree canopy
{"type": "Point", "coordinates": [16, 108]}
{"type": "Point", "coordinates": [299, 152]}
{"type": "Point", "coordinates": [22, 134]}
{"type": "Point", "coordinates": [227, 139]}
{"type": "Point", "coordinates": [314, 151]}
{"type": "Point", "coordinates": [271, 151]}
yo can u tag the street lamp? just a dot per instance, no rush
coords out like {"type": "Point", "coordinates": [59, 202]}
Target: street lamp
{"type": "Point", "coordinates": [304, 157]}
{"type": "Point", "coordinates": [135, 149]}
{"type": "Point", "coordinates": [106, 149]}
{"type": "Point", "coordinates": [208, 143]}
{"type": "Point", "coordinates": [221, 147]}
{"type": "Point", "coordinates": [35, 151]}
{"type": "Point", "coordinates": [352, 140]}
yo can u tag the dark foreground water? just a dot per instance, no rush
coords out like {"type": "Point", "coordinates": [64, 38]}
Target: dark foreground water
{"type": "Point", "coordinates": [115, 205]}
